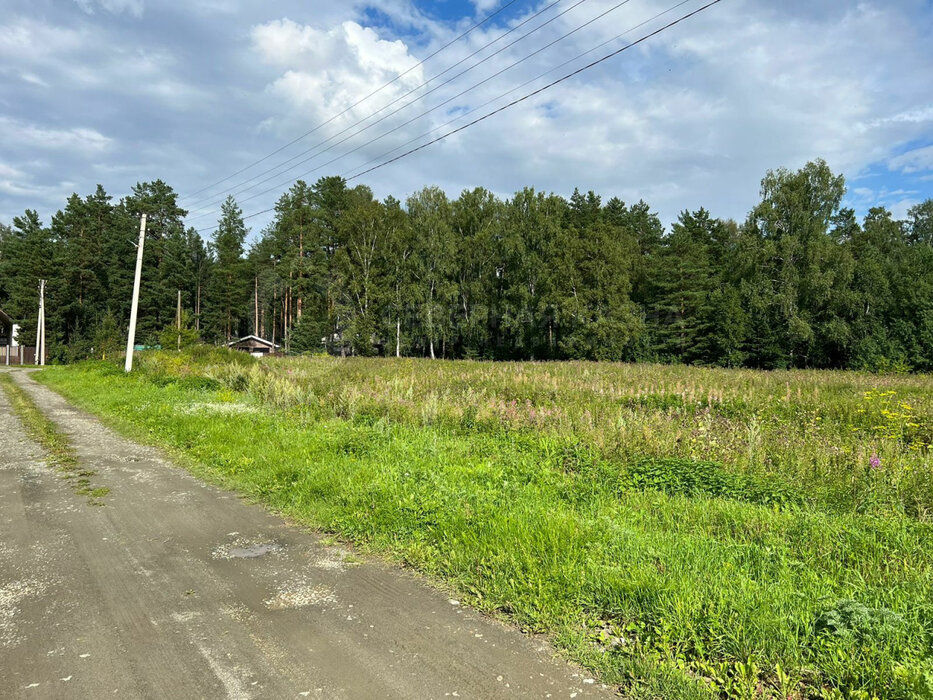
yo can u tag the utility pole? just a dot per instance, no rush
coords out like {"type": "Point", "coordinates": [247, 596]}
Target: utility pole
{"type": "Point", "coordinates": [134, 309]}
{"type": "Point", "coordinates": [178, 320]}
{"type": "Point", "coordinates": [256, 306]}
{"type": "Point", "coordinates": [42, 297]}
{"type": "Point", "coordinates": [40, 327]}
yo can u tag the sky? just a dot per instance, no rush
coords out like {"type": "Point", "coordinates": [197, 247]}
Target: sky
{"type": "Point", "coordinates": [117, 92]}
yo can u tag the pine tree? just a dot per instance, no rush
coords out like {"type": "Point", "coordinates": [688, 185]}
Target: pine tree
{"type": "Point", "coordinates": [683, 288]}
{"type": "Point", "coordinates": [164, 228]}
{"type": "Point", "coordinates": [29, 255]}
{"type": "Point", "coordinates": [227, 294]}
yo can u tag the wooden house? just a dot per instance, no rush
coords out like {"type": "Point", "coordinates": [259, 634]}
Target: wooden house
{"type": "Point", "coordinates": [254, 345]}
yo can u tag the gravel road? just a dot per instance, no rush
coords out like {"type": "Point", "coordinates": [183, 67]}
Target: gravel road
{"type": "Point", "coordinates": [177, 589]}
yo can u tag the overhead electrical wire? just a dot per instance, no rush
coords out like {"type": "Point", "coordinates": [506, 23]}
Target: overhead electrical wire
{"type": "Point", "coordinates": [358, 102]}
{"type": "Point", "coordinates": [213, 207]}
{"type": "Point", "coordinates": [519, 100]}
{"type": "Point", "coordinates": [389, 104]}
{"type": "Point", "coordinates": [435, 107]}
{"type": "Point", "coordinates": [348, 173]}
{"type": "Point", "coordinates": [541, 89]}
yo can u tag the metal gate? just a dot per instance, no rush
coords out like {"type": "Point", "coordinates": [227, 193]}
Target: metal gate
{"type": "Point", "coordinates": [18, 355]}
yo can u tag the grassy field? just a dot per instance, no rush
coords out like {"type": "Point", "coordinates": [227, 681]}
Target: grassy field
{"type": "Point", "coordinates": [685, 533]}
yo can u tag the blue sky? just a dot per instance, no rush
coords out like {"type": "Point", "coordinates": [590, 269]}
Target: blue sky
{"type": "Point", "coordinates": [190, 91]}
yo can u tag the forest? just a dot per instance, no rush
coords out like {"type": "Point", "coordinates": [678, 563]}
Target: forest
{"type": "Point", "coordinates": [801, 283]}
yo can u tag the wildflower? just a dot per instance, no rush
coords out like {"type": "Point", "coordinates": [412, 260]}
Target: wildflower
{"type": "Point", "coordinates": [874, 462]}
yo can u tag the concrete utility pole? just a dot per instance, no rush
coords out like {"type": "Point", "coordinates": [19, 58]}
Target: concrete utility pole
{"type": "Point", "coordinates": [134, 309]}
{"type": "Point", "coordinates": [256, 306]}
{"type": "Point", "coordinates": [42, 295]}
{"type": "Point", "coordinates": [40, 327]}
{"type": "Point", "coordinates": [178, 320]}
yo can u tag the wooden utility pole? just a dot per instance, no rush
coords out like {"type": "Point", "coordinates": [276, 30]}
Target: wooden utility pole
{"type": "Point", "coordinates": [134, 308]}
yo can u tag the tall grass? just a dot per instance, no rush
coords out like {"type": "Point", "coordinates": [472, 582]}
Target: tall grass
{"type": "Point", "coordinates": [683, 532]}
{"type": "Point", "coordinates": [849, 441]}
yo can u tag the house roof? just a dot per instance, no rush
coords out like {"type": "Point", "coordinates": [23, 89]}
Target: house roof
{"type": "Point", "coordinates": [5, 318]}
{"type": "Point", "coordinates": [255, 338]}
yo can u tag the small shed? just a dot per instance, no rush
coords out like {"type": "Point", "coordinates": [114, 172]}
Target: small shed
{"type": "Point", "coordinates": [254, 345]}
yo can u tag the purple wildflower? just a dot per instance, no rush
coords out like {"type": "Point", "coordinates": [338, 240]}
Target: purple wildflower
{"type": "Point", "coordinates": [874, 462]}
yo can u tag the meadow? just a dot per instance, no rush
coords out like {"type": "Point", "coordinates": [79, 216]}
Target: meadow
{"type": "Point", "coordinates": [683, 532]}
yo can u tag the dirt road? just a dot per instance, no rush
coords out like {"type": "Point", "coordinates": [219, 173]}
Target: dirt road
{"type": "Point", "coordinates": [177, 589]}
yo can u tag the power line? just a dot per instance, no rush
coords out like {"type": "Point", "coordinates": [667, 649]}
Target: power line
{"type": "Point", "coordinates": [359, 102]}
{"type": "Point", "coordinates": [496, 111]}
{"type": "Point", "coordinates": [213, 207]}
{"type": "Point", "coordinates": [539, 90]}
{"type": "Point", "coordinates": [459, 117]}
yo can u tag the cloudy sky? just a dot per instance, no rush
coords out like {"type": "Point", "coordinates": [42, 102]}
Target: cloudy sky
{"type": "Point", "coordinates": [192, 91]}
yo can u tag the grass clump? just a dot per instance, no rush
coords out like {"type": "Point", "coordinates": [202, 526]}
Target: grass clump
{"type": "Point", "coordinates": [61, 455]}
{"type": "Point", "coordinates": [697, 478]}
{"type": "Point", "coordinates": [734, 541]}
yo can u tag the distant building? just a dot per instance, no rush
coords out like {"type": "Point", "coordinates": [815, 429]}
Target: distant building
{"type": "Point", "coordinates": [254, 345]}
{"type": "Point", "coordinates": [11, 352]}
{"type": "Point", "coordinates": [7, 330]}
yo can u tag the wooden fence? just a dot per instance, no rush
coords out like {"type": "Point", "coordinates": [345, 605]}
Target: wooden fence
{"type": "Point", "coordinates": [19, 355]}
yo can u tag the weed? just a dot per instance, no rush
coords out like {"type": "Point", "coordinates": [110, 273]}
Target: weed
{"type": "Point", "coordinates": [683, 532]}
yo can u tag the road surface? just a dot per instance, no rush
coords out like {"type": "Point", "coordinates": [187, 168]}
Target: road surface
{"type": "Point", "coordinates": [178, 589]}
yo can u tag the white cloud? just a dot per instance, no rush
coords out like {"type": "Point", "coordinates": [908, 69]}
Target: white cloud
{"type": "Point", "coordinates": [24, 41]}
{"type": "Point", "coordinates": [86, 57]}
{"type": "Point", "coordinates": [16, 183]}
{"type": "Point", "coordinates": [34, 79]}
{"type": "Point", "coordinates": [31, 135]}
{"type": "Point", "coordinates": [897, 201]}
{"type": "Point", "coordinates": [693, 117]}
{"type": "Point", "coordinates": [327, 71]}
{"type": "Point", "coordinates": [914, 161]}
{"type": "Point", "coordinates": [484, 6]}
{"type": "Point", "coordinates": [131, 7]}
{"type": "Point", "coordinates": [8, 171]}
{"type": "Point", "coordinates": [913, 116]}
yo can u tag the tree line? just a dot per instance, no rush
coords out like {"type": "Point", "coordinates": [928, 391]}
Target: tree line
{"type": "Point", "coordinates": [800, 283]}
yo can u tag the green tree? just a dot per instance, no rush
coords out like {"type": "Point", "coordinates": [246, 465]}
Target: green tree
{"type": "Point", "coordinates": [796, 268]}
{"type": "Point", "coordinates": [477, 222]}
{"type": "Point", "coordinates": [358, 275]}
{"type": "Point", "coordinates": [29, 255]}
{"type": "Point", "coordinates": [524, 283]}
{"type": "Point", "coordinates": [164, 227]}
{"type": "Point", "coordinates": [597, 316]}
{"type": "Point", "coordinates": [397, 261]}
{"type": "Point", "coordinates": [684, 286]}
{"type": "Point", "coordinates": [228, 291]}
{"type": "Point", "coordinates": [920, 224]}
{"type": "Point", "coordinates": [435, 263]}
